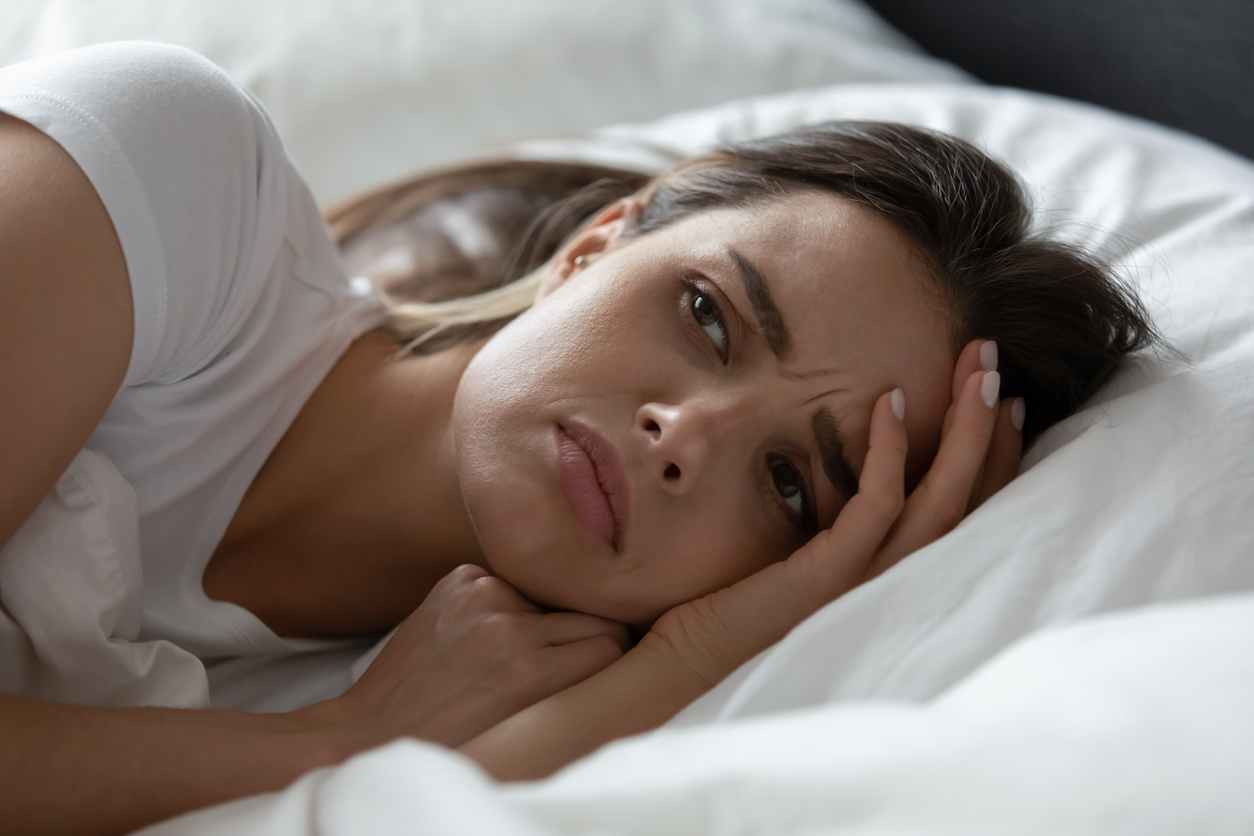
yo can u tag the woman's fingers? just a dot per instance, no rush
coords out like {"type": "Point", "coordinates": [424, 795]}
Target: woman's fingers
{"type": "Point", "coordinates": [1004, 451]}
{"type": "Point", "coordinates": [568, 627]}
{"type": "Point", "coordinates": [715, 634]}
{"type": "Point", "coordinates": [940, 501]}
{"type": "Point", "coordinates": [563, 665]}
{"type": "Point", "coordinates": [873, 510]}
{"type": "Point", "coordinates": [475, 652]}
{"type": "Point", "coordinates": [875, 529]}
{"type": "Point", "coordinates": [946, 489]}
{"type": "Point", "coordinates": [978, 355]}
{"type": "Point", "coordinates": [1002, 462]}
{"type": "Point", "coordinates": [835, 560]}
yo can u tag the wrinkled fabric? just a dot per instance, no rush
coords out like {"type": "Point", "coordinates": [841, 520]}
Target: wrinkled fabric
{"type": "Point", "coordinates": [71, 602]}
{"type": "Point", "coordinates": [1140, 724]}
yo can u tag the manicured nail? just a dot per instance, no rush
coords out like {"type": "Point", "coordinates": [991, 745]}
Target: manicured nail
{"type": "Point", "coordinates": [1018, 411]}
{"type": "Point", "coordinates": [898, 399]}
{"type": "Point", "coordinates": [990, 388]}
{"type": "Point", "coordinates": [988, 356]}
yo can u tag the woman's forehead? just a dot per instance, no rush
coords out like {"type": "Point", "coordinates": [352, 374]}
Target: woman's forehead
{"type": "Point", "coordinates": [841, 287]}
{"type": "Point", "coordinates": [853, 302]}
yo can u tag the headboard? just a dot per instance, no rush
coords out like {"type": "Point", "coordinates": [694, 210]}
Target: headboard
{"type": "Point", "coordinates": [1185, 63]}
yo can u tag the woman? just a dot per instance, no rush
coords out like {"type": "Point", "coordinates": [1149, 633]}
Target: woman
{"type": "Point", "coordinates": [708, 407]}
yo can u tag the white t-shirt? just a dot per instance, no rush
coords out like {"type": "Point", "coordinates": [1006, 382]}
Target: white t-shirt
{"type": "Point", "coordinates": [241, 307]}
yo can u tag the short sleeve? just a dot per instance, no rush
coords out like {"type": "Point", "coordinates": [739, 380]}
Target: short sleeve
{"type": "Point", "coordinates": [191, 173]}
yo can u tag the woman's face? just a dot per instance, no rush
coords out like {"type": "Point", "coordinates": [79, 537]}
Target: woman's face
{"type": "Point", "coordinates": [680, 409]}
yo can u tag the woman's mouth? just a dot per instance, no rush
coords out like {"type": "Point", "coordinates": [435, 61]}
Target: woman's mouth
{"type": "Point", "coordinates": [592, 474]}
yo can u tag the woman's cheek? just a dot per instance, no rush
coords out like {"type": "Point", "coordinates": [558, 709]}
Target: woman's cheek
{"type": "Point", "coordinates": [713, 556]}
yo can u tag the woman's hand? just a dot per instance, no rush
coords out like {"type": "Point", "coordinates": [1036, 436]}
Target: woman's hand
{"type": "Point", "coordinates": [978, 454]}
{"type": "Point", "coordinates": [693, 646]}
{"type": "Point", "coordinates": [474, 653]}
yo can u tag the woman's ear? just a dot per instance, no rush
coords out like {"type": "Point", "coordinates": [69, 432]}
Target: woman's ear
{"type": "Point", "coordinates": [592, 240]}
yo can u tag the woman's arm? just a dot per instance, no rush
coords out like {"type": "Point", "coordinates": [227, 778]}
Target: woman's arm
{"type": "Point", "coordinates": [65, 342]}
{"type": "Point", "coordinates": [65, 316]}
{"type": "Point", "coordinates": [79, 770]}
{"type": "Point", "coordinates": [695, 645]}
{"type": "Point", "coordinates": [473, 654]}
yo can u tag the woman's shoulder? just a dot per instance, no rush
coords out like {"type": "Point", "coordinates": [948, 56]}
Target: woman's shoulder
{"type": "Point", "coordinates": [125, 87]}
{"type": "Point", "coordinates": [192, 176]}
{"type": "Point", "coordinates": [240, 306]}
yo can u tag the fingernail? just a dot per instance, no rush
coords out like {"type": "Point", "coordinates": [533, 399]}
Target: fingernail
{"type": "Point", "coordinates": [1018, 411]}
{"type": "Point", "coordinates": [990, 388]}
{"type": "Point", "coordinates": [988, 356]}
{"type": "Point", "coordinates": [899, 404]}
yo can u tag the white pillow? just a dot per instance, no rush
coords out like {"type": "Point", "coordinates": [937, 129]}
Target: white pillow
{"type": "Point", "coordinates": [1145, 496]}
{"type": "Point", "coordinates": [368, 91]}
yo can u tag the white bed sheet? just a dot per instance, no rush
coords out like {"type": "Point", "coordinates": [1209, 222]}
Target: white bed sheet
{"type": "Point", "coordinates": [930, 700]}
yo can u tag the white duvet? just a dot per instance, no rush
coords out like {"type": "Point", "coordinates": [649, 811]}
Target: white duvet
{"type": "Point", "coordinates": [1074, 658]}
{"type": "Point", "coordinates": [1137, 724]}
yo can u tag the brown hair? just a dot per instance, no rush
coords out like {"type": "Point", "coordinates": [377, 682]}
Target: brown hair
{"type": "Point", "coordinates": [1061, 319]}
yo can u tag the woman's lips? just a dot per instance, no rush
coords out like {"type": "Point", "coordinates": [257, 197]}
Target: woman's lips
{"type": "Point", "coordinates": [592, 474]}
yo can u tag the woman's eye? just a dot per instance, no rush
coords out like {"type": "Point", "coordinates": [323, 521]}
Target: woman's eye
{"type": "Point", "coordinates": [789, 484]}
{"type": "Point", "coordinates": [710, 318]}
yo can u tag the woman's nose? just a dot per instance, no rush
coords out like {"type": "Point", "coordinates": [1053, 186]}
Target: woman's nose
{"type": "Point", "coordinates": [679, 442]}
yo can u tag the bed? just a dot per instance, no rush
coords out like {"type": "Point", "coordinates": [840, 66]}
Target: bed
{"type": "Point", "coordinates": [1073, 658]}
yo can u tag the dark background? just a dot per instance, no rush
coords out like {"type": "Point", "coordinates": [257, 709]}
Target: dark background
{"type": "Point", "coordinates": [1185, 63]}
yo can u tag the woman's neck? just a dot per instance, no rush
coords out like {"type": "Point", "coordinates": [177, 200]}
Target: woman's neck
{"type": "Point", "coordinates": [357, 512]}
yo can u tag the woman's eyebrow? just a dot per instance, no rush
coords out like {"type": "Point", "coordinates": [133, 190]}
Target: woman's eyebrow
{"type": "Point", "coordinates": [770, 320]}
{"type": "Point", "coordinates": [832, 454]}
